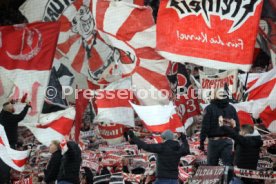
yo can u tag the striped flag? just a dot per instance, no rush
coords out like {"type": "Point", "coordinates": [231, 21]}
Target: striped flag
{"type": "Point", "coordinates": [113, 103]}
{"type": "Point", "coordinates": [27, 50]}
{"type": "Point", "coordinates": [158, 118]}
{"type": "Point", "coordinates": [53, 126]}
{"type": "Point", "coordinates": [13, 158]}
{"type": "Point", "coordinates": [263, 87]}
{"type": "Point", "coordinates": [122, 30]}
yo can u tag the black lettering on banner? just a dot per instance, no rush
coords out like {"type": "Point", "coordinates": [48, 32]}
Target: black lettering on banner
{"type": "Point", "coordinates": [236, 10]}
{"type": "Point", "coordinates": [54, 9]}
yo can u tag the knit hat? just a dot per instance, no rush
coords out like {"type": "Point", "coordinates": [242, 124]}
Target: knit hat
{"type": "Point", "coordinates": [167, 135]}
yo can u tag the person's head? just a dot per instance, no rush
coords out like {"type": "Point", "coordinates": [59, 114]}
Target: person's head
{"type": "Point", "coordinates": [54, 146]}
{"type": "Point", "coordinates": [167, 135]}
{"type": "Point", "coordinates": [246, 129]}
{"type": "Point", "coordinates": [8, 106]}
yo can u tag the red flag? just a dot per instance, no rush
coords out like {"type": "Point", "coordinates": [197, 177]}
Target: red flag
{"type": "Point", "coordinates": [26, 53]}
{"type": "Point", "coordinates": [268, 116]}
{"type": "Point", "coordinates": [245, 118]}
{"type": "Point", "coordinates": [160, 118]}
{"type": "Point", "coordinates": [213, 34]}
{"type": "Point", "coordinates": [264, 86]}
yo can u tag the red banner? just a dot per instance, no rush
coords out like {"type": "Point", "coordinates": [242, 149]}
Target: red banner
{"type": "Point", "coordinates": [27, 46]}
{"type": "Point", "coordinates": [111, 132]}
{"type": "Point", "coordinates": [209, 33]}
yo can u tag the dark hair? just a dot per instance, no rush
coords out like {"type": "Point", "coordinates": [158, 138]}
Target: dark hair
{"type": "Point", "coordinates": [247, 128]}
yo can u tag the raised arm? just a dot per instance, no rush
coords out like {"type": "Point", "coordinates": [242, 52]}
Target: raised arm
{"type": "Point", "coordinates": [19, 117]}
{"type": "Point", "coordinates": [154, 148]}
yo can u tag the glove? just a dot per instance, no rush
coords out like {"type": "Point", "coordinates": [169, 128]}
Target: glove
{"type": "Point", "coordinates": [130, 134]}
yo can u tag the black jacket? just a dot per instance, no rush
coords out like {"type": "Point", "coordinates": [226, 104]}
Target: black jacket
{"type": "Point", "coordinates": [70, 164]}
{"type": "Point", "coordinates": [210, 125]}
{"type": "Point", "coordinates": [52, 169]}
{"type": "Point", "coordinates": [10, 123]}
{"type": "Point", "coordinates": [168, 155]}
{"type": "Point", "coordinates": [247, 149]}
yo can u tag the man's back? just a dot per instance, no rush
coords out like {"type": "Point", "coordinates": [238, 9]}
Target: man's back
{"type": "Point", "coordinates": [247, 152]}
{"type": "Point", "coordinates": [168, 160]}
{"type": "Point", "coordinates": [168, 155]}
{"type": "Point", "coordinates": [9, 126]}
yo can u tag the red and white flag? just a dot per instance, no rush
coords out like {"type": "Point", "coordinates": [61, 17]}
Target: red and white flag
{"type": "Point", "coordinates": [268, 117]}
{"type": "Point", "coordinates": [249, 79]}
{"type": "Point", "coordinates": [150, 84]}
{"type": "Point", "coordinates": [122, 30]}
{"type": "Point", "coordinates": [264, 86]}
{"type": "Point", "coordinates": [53, 126]}
{"type": "Point", "coordinates": [13, 158]}
{"type": "Point", "coordinates": [210, 34]}
{"type": "Point", "coordinates": [113, 103]}
{"type": "Point", "coordinates": [245, 118]}
{"type": "Point", "coordinates": [27, 53]}
{"type": "Point", "coordinates": [158, 118]}
{"type": "Point", "coordinates": [78, 45]}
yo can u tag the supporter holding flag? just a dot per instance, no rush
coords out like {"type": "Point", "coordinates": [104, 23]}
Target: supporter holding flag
{"type": "Point", "coordinates": [10, 121]}
{"type": "Point", "coordinates": [51, 172]}
{"type": "Point", "coordinates": [168, 155]}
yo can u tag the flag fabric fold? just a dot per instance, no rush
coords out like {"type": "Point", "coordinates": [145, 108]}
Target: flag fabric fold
{"type": "Point", "coordinates": [53, 126]}
{"type": "Point", "coordinates": [158, 118]}
{"type": "Point", "coordinates": [13, 158]}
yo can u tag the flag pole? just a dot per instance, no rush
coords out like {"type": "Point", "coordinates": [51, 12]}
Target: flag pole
{"type": "Point", "coordinates": [244, 86]}
{"type": "Point", "coordinates": [262, 130]}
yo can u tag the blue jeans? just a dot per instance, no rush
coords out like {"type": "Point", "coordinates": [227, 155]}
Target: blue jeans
{"type": "Point", "coordinates": [166, 181]}
{"type": "Point", "coordinates": [64, 182]}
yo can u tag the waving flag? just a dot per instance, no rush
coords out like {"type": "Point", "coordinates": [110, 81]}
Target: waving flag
{"type": "Point", "coordinates": [27, 53]}
{"type": "Point", "coordinates": [54, 100]}
{"type": "Point", "coordinates": [113, 103]}
{"type": "Point", "coordinates": [158, 118]}
{"type": "Point", "coordinates": [150, 84]}
{"type": "Point", "coordinates": [268, 117]}
{"type": "Point", "coordinates": [251, 79]}
{"type": "Point", "coordinates": [148, 69]}
{"type": "Point", "coordinates": [264, 86]}
{"type": "Point", "coordinates": [53, 126]}
{"type": "Point", "coordinates": [13, 158]}
{"type": "Point", "coordinates": [183, 93]}
{"type": "Point", "coordinates": [78, 41]}
{"type": "Point", "coordinates": [209, 33]}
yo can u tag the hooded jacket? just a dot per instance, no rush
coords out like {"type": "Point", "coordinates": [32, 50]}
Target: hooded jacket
{"type": "Point", "coordinates": [247, 148]}
{"type": "Point", "coordinates": [70, 164]}
{"type": "Point", "coordinates": [10, 123]}
{"type": "Point", "coordinates": [210, 125]}
{"type": "Point", "coordinates": [168, 155]}
{"type": "Point", "coordinates": [52, 169]}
